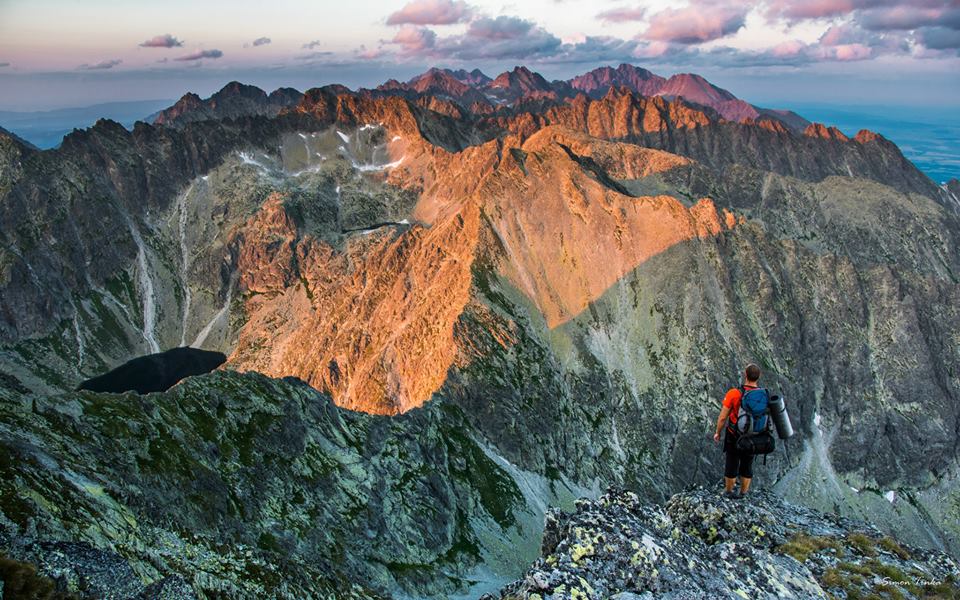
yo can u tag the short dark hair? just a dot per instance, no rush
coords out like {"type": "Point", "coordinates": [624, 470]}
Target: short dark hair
{"type": "Point", "coordinates": [753, 372]}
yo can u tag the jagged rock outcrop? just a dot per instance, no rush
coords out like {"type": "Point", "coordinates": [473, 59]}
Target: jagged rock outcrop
{"type": "Point", "coordinates": [232, 101]}
{"type": "Point", "coordinates": [442, 83]}
{"type": "Point", "coordinates": [520, 83]}
{"type": "Point", "coordinates": [691, 87]}
{"type": "Point", "coordinates": [598, 82]}
{"type": "Point", "coordinates": [683, 129]}
{"type": "Point", "coordinates": [702, 546]}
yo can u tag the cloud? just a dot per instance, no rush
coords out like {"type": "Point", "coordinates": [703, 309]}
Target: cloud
{"type": "Point", "coordinates": [431, 12]}
{"type": "Point", "coordinates": [315, 55]}
{"type": "Point", "coordinates": [365, 53]}
{"type": "Point", "coordinates": [794, 10]}
{"type": "Point", "coordinates": [261, 41]}
{"type": "Point", "coordinates": [311, 45]}
{"type": "Point", "coordinates": [500, 38]}
{"type": "Point", "coordinates": [414, 40]}
{"type": "Point", "coordinates": [939, 38]}
{"type": "Point", "coordinates": [200, 54]}
{"type": "Point", "coordinates": [621, 15]}
{"type": "Point", "coordinates": [594, 50]}
{"type": "Point", "coordinates": [162, 41]}
{"type": "Point", "coordinates": [696, 23]}
{"type": "Point", "coordinates": [788, 48]}
{"type": "Point", "coordinates": [4, 64]}
{"type": "Point", "coordinates": [103, 64]}
{"type": "Point", "coordinates": [909, 17]}
{"type": "Point", "coordinates": [674, 36]}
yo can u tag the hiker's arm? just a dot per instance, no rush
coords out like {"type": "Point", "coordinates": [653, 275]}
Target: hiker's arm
{"type": "Point", "coordinates": [721, 420]}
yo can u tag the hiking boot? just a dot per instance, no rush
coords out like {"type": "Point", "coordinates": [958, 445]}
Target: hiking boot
{"type": "Point", "coordinates": [731, 495]}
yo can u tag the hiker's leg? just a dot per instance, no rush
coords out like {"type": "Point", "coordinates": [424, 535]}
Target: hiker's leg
{"type": "Point", "coordinates": [746, 472]}
{"type": "Point", "coordinates": [730, 468]}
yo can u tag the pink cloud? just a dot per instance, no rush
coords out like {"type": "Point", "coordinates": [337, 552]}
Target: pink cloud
{"type": "Point", "coordinates": [837, 34]}
{"type": "Point", "coordinates": [200, 54]}
{"type": "Point", "coordinates": [162, 41]}
{"type": "Point", "coordinates": [696, 24]}
{"type": "Point", "coordinates": [846, 52]}
{"type": "Point", "coordinates": [431, 12]}
{"type": "Point", "coordinates": [414, 39]}
{"type": "Point", "coordinates": [818, 9]}
{"type": "Point", "coordinates": [786, 49]}
{"type": "Point", "coordinates": [369, 53]}
{"type": "Point", "coordinates": [622, 15]}
{"type": "Point", "coordinates": [102, 65]}
{"type": "Point", "coordinates": [905, 17]}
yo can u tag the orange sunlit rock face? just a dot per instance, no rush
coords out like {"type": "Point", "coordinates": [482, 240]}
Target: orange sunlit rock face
{"type": "Point", "coordinates": [373, 322]}
{"type": "Point", "coordinates": [568, 237]}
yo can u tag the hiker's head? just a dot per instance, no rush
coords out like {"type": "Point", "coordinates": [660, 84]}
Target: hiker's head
{"type": "Point", "coordinates": [752, 373]}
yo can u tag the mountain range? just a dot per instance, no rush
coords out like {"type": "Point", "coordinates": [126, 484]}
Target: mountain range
{"type": "Point", "coordinates": [478, 93]}
{"type": "Point", "coordinates": [450, 304]}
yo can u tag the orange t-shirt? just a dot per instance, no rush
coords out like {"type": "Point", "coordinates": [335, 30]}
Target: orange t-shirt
{"type": "Point", "coordinates": [732, 401]}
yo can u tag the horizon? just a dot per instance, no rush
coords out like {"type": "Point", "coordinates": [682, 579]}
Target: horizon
{"type": "Point", "coordinates": [927, 137]}
{"type": "Point", "coordinates": [847, 52]}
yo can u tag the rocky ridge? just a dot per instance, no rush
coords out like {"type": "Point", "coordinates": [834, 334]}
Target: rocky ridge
{"type": "Point", "coordinates": [702, 546]}
{"type": "Point", "coordinates": [234, 100]}
{"type": "Point", "coordinates": [245, 486]}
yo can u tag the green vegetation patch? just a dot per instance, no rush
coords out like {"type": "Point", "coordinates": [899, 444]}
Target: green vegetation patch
{"type": "Point", "coordinates": [801, 546]}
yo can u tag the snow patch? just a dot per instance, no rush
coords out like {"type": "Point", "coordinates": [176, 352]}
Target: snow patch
{"type": "Point", "coordinates": [147, 292]}
{"type": "Point", "coordinates": [202, 336]}
{"type": "Point", "coordinates": [395, 138]}
{"type": "Point", "coordinates": [343, 136]}
{"type": "Point", "coordinates": [891, 496]}
{"type": "Point", "coordinates": [250, 160]}
{"type": "Point", "coordinates": [81, 346]}
{"type": "Point", "coordinates": [184, 264]}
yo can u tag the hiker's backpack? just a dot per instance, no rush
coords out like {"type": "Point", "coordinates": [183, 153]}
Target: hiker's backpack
{"type": "Point", "coordinates": [752, 418]}
{"type": "Point", "coordinates": [753, 424]}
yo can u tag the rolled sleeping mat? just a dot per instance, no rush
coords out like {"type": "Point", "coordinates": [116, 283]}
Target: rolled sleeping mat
{"type": "Point", "coordinates": [781, 420]}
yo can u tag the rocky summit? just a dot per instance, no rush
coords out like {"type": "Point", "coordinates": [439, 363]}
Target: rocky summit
{"type": "Point", "coordinates": [702, 546]}
{"type": "Point", "coordinates": [451, 304]}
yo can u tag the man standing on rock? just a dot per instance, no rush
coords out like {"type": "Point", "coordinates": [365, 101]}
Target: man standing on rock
{"type": "Point", "coordinates": [737, 462]}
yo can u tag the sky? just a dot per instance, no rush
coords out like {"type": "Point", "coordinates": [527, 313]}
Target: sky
{"type": "Point", "coordinates": [68, 53]}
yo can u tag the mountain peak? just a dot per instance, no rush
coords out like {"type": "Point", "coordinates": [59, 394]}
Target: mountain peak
{"type": "Point", "coordinates": [523, 80]}
{"type": "Point", "coordinates": [865, 136]}
{"type": "Point", "coordinates": [233, 100]}
{"type": "Point", "coordinates": [597, 82]}
{"type": "Point", "coordinates": [695, 88]}
{"type": "Point", "coordinates": [819, 130]}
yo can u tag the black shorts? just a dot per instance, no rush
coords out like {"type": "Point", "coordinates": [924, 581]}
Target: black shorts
{"type": "Point", "coordinates": [737, 463]}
